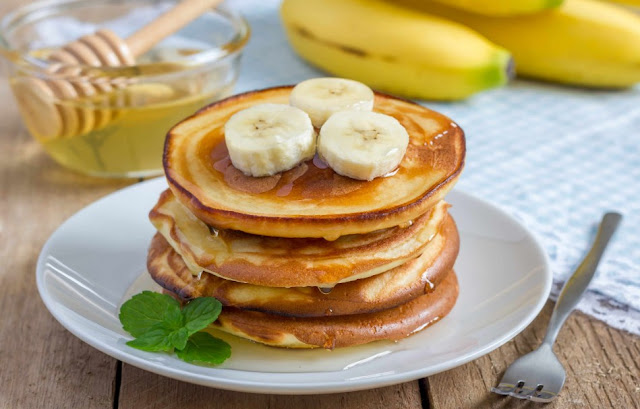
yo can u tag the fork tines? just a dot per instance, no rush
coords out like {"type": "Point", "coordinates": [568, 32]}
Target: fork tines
{"type": "Point", "coordinates": [521, 391]}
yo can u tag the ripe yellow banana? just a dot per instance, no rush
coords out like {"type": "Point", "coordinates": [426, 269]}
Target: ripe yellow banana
{"type": "Point", "coordinates": [394, 49]}
{"type": "Point", "coordinates": [502, 7]}
{"type": "Point", "coordinates": [632, 3]}
{"type": "Point", "coordinates": [582, 42]}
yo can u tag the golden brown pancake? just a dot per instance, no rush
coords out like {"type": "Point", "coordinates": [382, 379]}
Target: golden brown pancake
{"type": "Point", "coordinates": [310, 200]}
{"type": "Point", "coordinates": [345, 330]}
{"type": "Point", "coordinates": [287, 262]}
{"type": "Point", "coordinates": [397, 286]}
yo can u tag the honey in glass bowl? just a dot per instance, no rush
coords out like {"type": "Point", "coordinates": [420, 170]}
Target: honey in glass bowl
{"type": "Point", "coordinates": [117, 130]}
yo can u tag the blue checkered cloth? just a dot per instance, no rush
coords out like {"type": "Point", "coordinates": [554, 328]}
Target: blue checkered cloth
{"type": "Point", "coordinates": [554, 157]}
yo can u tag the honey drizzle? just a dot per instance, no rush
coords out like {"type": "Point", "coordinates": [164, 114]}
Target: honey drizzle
{"type": "Point", "coordinates": [428, 133]}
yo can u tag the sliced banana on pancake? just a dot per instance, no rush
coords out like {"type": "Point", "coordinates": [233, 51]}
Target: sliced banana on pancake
{"type": "Point", "coordinates": [362, 145]}
{"type": "Point", "coordinates": [322, 97]}
{"type": "Point", "coordinates": [320, 203]}
{"type": "Point", "coordinates": [269, 138]}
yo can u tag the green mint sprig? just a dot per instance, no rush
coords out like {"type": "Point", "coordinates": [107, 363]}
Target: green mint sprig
{"type": "Point", "coordinates": [159, 324]}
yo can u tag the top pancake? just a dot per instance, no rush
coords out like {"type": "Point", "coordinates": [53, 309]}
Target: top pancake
{"type": "Point", "coordinates": [310, 200]}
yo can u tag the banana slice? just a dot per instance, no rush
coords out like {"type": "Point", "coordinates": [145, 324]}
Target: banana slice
{"type": "Point", "coordinates": [322, 97]}
{"type": "Point", "coordinates": [362, 145]}
{"type": "Point", "coordinates": [269, 138]}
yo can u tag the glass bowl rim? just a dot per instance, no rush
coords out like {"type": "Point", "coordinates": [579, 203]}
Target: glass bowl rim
{"type": "Point", "coordinates": [42, 68]}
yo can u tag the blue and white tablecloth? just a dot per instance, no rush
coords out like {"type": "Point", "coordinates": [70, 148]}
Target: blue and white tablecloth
{"type": "Point", "coordinates": [554, 157]}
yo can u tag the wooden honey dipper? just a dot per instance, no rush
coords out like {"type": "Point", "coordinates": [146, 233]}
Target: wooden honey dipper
{"type": "Point", "coordinates": [36, 97]}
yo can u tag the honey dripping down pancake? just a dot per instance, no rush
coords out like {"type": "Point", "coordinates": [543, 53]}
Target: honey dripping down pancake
{"type": "Point", "coordinates": [394, 287]}
{"type": "Point", "coordinates": [287, 262]}
{"type": "Point", "coordinates": [310, 200]}
{"type": "Point", "coordinates": [342, 331]}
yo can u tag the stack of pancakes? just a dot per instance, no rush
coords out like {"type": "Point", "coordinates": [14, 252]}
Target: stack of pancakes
{"type": "Point", "coordinates": [308, 258]}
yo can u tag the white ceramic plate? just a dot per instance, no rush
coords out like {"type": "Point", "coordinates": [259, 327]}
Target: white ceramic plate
{"type": "Point", "coordinates": [96, 260]}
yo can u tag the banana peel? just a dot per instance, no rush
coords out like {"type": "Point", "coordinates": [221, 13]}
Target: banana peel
{"type": "Point", "coordinates": [503, 8]}
{"type": "Point", "coordinates": [631, 3]}
{"type": "Point", "coordinates": [582, 42]}
{"type": "Point", "coordinates": [395, 49]}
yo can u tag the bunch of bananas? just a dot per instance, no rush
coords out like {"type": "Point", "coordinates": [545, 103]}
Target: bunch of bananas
{"type": "Point", "coordinates": [450, 49]}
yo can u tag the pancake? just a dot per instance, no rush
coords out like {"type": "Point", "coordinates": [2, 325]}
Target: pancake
{"type": "Point", "coordinates": [342, 331]}
{"type": "Point", "coordinates": [286, 262]}
{"type": "Point", "coordinates": [310, 200]}
{"type": "Point", "coordinates": [397, 286]}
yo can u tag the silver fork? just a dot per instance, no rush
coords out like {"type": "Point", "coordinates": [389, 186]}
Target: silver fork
{"type": "Point", "coordinates": [538, 375]}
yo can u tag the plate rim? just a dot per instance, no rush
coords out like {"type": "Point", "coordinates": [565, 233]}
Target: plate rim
{"type": "Point", "coordinates": [280, 387]}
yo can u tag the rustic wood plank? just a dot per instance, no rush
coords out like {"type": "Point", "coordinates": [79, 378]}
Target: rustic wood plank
{"type": "Point", "coordinates": [41, 364]}
{"type": "Point", "coordinates": [602, 367]}
{"type": "Point", "coordinates": [144, 390]}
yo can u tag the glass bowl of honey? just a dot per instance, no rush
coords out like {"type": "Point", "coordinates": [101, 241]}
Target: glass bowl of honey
{"type": "Point", "coordinates": [110, 120]}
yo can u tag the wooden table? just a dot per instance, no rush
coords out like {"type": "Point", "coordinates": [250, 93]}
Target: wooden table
{"type": "Point", "coordinates": [44, 366]}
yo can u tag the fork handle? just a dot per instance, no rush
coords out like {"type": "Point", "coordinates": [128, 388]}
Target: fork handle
{"type": "Point", "coordinates": [577, 284]}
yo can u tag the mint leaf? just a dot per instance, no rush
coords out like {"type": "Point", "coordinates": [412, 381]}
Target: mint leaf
{"type": "Point", "coordinates": [159, 324]}
{"type": "Point", "coordinates": [161, 337]}
{"type": "Point", "coordinates": [147, 309]}
{"type": "Point", "coordinates": [201, 312]}
{"type": "Point", "coordinates": [204, 348]}
{"type": "Point", "coordinates": [155, 339]}
{"type": "Point", "coordinates": [179, 338]}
